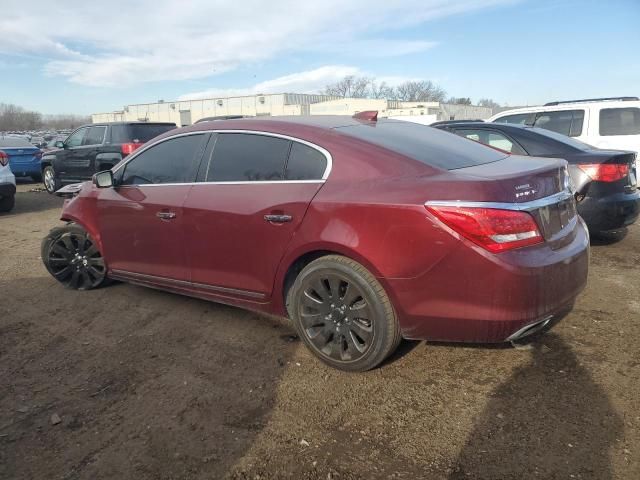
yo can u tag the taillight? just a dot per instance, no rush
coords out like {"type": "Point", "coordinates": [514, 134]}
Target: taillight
{"type": "Point", "coordinates": [128, 148]}
{"type": "Point", "coordinates": [4, 159]}
{"type": "Point", "coordinates": [606, 172]}
{"type": "Point", "coordinates": [493, 229]}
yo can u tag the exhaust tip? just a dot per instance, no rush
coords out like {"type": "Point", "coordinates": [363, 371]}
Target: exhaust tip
{"type": "Point", "coordinates": [530, 329]}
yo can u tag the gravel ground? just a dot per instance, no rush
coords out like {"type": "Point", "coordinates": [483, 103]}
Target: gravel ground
{"type": "Point", "coordinates": [128, 382]}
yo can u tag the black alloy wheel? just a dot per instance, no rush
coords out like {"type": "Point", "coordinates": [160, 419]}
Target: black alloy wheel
{"type": "Point", "coordinates": [343, 314]}
{"type": "Point", "coordinates": [72, 257]}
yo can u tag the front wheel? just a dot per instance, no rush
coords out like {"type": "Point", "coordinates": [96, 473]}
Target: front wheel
{"type": "Point", "coordinates": [51, 183]}
{"type": "Point", "coordinates": [72, 257]}
{"type": "Point", "coordinates": [343, 314]}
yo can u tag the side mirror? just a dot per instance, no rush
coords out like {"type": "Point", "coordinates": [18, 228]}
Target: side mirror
{"type": "Point", "coordinates": [59, 144]}
{"type": "Point", "coordinates": [103, 179]}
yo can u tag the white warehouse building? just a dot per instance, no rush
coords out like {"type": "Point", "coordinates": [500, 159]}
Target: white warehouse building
{"type": "Point", "coordinates": [186, 112]}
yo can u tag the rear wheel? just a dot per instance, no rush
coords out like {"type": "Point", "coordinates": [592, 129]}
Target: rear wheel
{"type": "Point", "coordinates": [7, 203]}
{"type": "Point", "coordinates": [343, 314]}
{"type": "Point", "coordinates": [72, 257]}
{"type": "Point", "coordinates": [51, 183]}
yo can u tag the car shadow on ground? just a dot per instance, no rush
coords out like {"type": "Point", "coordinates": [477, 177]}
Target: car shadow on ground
{"type": "Point", "coordinates": [608, 238]}
{"type": "Point", "coordinates": [144, 384]}
{"type": "Point", "coordinates": [521, 433]}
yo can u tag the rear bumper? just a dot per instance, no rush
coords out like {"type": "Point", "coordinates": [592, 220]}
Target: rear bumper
{"type": "Point", "coordinates": [25, 169]}
{"type": "Point", "coordinates": [611, 212]}
{"type": "Point", "coordinates": [473, 296]}
{"type": "Point", "coordinates": [7, 189]}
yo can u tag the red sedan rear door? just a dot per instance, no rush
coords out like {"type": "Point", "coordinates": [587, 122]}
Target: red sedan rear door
{"type": "Point", "coordinates": [254, 193]}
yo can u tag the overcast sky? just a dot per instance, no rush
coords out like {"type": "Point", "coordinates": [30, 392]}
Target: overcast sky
{"type": "Point", "coordinates": [84, 57]}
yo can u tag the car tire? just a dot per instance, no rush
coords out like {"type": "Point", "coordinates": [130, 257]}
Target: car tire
{"type": "Point", "coordinates": [72, 257]}
{"type": "Point", "coordinates": [51, 182]}
{"type": "Point", "coordinates": [343, 315]}
{"type": "Point", "coordinates": [7, 203]}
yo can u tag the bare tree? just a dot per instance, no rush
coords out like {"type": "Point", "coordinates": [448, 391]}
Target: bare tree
{"type": "Point", "coordinates": [13, 117]}
{"type": "Point", "coordinates": [460, 100]}
{"type": "Point", "coordinates": [349, 87]}
{"type": "Point", "coordinates": [420, 91]}
{"type": "Point", "coordinates": [381, 91]}
{"type": "Point", "coordinates": [488, 102]}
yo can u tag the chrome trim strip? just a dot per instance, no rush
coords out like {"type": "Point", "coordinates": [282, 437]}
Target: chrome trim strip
{"type": "Point", "coordinates": [204, 286]}
{"type": "Point", "coordinates": [267, 182]}
{"type": "Point", "coordinates": [322, 150]}
{"type": "Point", "coordinates": [524, 206]}
{"type": "Point", "coordinates": [529, 329]}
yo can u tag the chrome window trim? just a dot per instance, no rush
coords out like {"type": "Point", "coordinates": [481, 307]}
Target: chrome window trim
{"type": "Point", "coordinates": [248, 182]}
{"type": "Point", "coordinates": [323, 151]}
{"type": "Point", "coordinates": [524, 206]}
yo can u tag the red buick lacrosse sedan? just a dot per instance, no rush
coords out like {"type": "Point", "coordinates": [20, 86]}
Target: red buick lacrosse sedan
{"type": "Point", "coordinates": [361, 231]}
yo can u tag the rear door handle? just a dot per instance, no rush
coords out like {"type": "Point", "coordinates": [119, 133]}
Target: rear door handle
{"type": "Point", "coordinates": [166, 215]}
{"type": "Point", "coordinates": [278, 218]}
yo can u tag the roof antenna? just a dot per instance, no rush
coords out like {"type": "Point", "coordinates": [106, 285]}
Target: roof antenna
{"type": "Point", "coordinates": [369, 115]}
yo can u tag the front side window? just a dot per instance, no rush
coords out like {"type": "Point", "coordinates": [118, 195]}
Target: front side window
{"type": "Point", "coordinates": [305, 163]}
{"type": "Point", "coordinates": [172, 161]}
{"type": "Point", "coordinates": [620, 121]}
{"type": "Point", "coordinates": [493, 139]}
{"type": "Point", "coordinates": [94, 136]}
{"type": "Point", "coordinates": [75, 139]}
{"type": "Point", "coordinates": [566, 122]}
{"type": "Point", "coordinates": [241, 157]}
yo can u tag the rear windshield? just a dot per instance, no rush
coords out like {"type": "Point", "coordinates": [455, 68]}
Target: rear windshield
{"type": "Point", "coordinates": [572, 142]}
{"type": "Point", "coordinates": [14, 142]}
{"type": "Point", "coordinates": [138, 133]}
{"type": "Point", "coordinates": [428, 145]}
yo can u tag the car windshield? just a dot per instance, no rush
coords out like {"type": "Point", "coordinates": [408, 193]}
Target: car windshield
{"type": "Point", "coordinates": [428, 145]}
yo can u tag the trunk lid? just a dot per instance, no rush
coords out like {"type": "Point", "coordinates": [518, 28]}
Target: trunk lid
{"type": "Point", "coordinates": [540, 186]}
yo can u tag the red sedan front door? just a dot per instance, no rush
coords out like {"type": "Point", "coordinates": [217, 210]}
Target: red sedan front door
{"type": "Point", "coordinates": [141, 219]}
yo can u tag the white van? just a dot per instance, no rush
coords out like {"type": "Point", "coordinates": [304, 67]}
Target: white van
{"type": "Point", "coordinates": [611, 123]}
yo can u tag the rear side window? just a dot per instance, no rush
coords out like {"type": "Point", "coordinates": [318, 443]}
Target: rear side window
{"type": "Point", "coordinates": [94, 136]}
{"type": "Point", "coordinates": [520, 119]}
{"type": "Point", "coordinates": [305, 163]}
{"type": "Point", "coordinates": [172, 161]}
{"type": "Point", "coordinates": [137, 133]}
{"type": "Point", "coordinates": [493, 139]}
{"type": "Point", "coordinates": [240, 157]}
{"type": "Point", "coordinates": [566, 122]}
{"type": "Point", "coordinates": [620, 121]}
{"type": "Point", "coordinates": [427, 145]}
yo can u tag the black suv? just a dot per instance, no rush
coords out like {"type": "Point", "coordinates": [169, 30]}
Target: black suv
{"type": "Point", "coordinates": [93, 148]}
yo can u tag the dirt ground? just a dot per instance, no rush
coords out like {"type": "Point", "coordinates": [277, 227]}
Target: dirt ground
{"type": "Point", "coordinates": [127, 382]}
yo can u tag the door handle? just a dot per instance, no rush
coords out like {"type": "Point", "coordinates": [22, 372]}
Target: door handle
{"type": "Point", "coordinates": [166, 215]}
{"type": "Point", "coordinates": [278, 218]}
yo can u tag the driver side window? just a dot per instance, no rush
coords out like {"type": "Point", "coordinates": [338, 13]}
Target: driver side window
{"type": "Point", "coordinates": [173, 161]}
{"type": "Point", "coordinates": [75, 139]}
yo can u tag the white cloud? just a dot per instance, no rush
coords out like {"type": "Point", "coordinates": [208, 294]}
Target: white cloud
{"type": "Point", "coordinates": [123, 43]}
{"type": "Point", "coordinates": [310, 81]}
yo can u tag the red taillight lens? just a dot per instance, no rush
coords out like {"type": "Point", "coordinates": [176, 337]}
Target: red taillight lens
{"type": "Point", "coordinates": [606, 172]}
{"type": "Point", "coordinates": [128, 148]}
{"type": "Point", "coordinates": [4, 159]}
{"type": "Point", "coordinates": [493, 229]}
